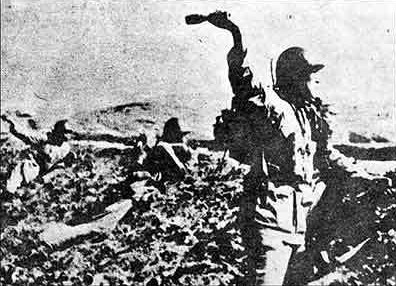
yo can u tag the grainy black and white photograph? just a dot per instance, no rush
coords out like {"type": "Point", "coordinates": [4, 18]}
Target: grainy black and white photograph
{"type": "Point", "coordinates": [195, 143]}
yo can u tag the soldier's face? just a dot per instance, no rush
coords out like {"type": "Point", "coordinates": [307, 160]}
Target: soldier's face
{"type": "Point", "coordinates": [66, 126]}
{"type": "Point", "coordinates": [314, 78]}
{"type": "Point", "coordinates": [314, 81]}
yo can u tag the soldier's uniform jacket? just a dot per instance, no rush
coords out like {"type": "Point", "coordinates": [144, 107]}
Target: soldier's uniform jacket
{"type": "Point", "coordinates": [43, 152]}
{"type": "Point", "coordinates": [291, 188]}
{"type": "Point", "coordinates": [44, 148]}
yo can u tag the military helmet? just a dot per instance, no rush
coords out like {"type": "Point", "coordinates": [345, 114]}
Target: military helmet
{"type": "Point", "coordinates": [172, 132]}
{"type": "Point", "coordinates": [292, 65]}
{"type": "Point", "coordinates": [61, 126]}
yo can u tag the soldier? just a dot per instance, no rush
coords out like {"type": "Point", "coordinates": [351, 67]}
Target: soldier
{"type": "Point", "coordinates": [283, 136]}
{"type": "Point", "coordinates": [171, 152]}
{"type": "Point", "coordinates": [46, 151]}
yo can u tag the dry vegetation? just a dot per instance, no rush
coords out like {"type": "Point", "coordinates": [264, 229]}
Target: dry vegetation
{"type": "Point", "coordinates": [178, 233]}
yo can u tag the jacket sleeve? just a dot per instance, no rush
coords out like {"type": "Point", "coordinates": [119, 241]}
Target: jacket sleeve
{"type": "Point", "coordinates": [29, 137]}
{"type": "Point", "coordinates": [240, 78]}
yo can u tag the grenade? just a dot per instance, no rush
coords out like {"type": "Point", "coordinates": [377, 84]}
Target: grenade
{"type": "Point", "coordinates": [195, 19]}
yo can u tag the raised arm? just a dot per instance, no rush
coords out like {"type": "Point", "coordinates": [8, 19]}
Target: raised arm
{"type": "Point", "coordinates": [26, 139]}
{"type": "Point", "coordinates": [240, 77]}
{"type": "Point", "coordinates": [220, 20]}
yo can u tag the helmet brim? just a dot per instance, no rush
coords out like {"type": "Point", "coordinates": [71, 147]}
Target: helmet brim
{"type": "Point", "coordinates": [316, 68]}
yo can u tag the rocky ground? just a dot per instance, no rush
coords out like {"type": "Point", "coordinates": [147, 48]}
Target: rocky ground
{"type": "Point", "coordinates": [182, 232]}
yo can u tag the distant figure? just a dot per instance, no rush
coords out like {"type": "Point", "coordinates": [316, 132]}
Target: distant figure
{"type": "Point", "coordinates": [283, 136]}
{"type": "Point", "coordinates": [171, 152]}
{"type": "Point", "coordinates": [46, 151]}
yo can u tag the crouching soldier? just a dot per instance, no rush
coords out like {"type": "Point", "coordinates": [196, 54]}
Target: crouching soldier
{"type": "Point", "coordinates": [46, 151]}
{"type": "Point", "coordinates": [170, 153]}
{"type": "Point", "coordinates": [282, 135]}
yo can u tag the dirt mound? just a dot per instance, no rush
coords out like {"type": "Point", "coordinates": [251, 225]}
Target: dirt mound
{"type": "Point", "coordinates": [133, 119]}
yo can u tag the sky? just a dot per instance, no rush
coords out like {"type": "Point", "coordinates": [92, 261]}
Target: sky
{"type": "Point", "coordinates": [62, 57]}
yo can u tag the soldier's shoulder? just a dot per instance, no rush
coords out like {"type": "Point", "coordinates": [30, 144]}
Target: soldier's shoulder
{"type": "Point", "coordinates": [273, 102]}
